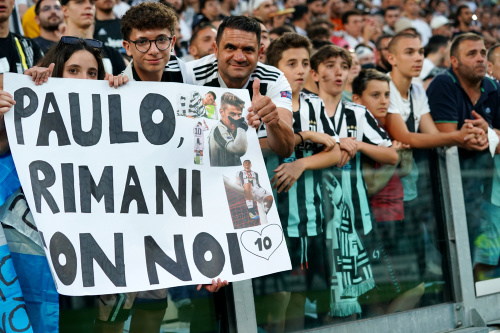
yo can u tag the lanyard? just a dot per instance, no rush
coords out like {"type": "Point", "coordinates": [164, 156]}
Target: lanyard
{"type": "Point", "coordinates": [410, 122]}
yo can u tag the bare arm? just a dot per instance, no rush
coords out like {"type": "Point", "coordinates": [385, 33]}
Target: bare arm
{"type": "Point", "coordinates": [385, 155]}
{"type": "Point", "coordinates": [287, 173]}
{"type": "Point", "coordinates": [430, 136]}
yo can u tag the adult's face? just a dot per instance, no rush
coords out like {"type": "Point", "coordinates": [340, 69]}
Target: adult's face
{"type": "Point", "coordinates": [6, 7]}
{"type": "Point", "coordinates": [470, 62]}
{"type": "Point", "coordinates": [211, 9]}
{"type": "Point", "coordinates": [177, 4]}
{"type": "Point", "coordinates": [407, 57]}
{"type": "Point", "coordinates": [383, 53]}
{"type": "Point", "coordinates": [391, 17]}
{"type": "Point", "coordinates": [265, 41]}
{"type": "Point", "coordinates": [411, 7]}
{"type": "Point", "coordinates": [229, 111]}
{"type": "Point", "coordinates": [247, 165]}
{"type": "Point", "coordinates": [264, 11]}
{"type": "Point", "coordinates": [153, 60]}
{"type": "Point", "coordinates": [354, 25]}
{"type": "Point", "coordinates": [79, 13]}
{"type": "Point", "coordinates": [337, 7]}
{"type": "Point", "coordinates": [494, 67]}
{"type": "Point", "coordinates": [105, 5]}
{"type": "Point", "coordinates": [316, 8]}
{"type": "Point", "coordinates": [237, 54]}
{"type": "Point", "coordinates": [50, 15]}
{"type": "Point", "coordinates": [465, 16]}
{"type": "Point", "coordinates": [203, 44]}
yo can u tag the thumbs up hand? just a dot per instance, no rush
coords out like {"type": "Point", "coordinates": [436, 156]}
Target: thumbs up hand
{"type": "Point", "coordinates": [263, 107]}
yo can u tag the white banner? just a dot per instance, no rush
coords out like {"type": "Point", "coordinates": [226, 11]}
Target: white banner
{"type": "Point", "coordinates": [121, 185]}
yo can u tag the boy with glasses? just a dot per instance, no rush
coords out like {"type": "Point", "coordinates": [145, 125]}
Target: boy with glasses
{"type": "Point", "coordinates": [148, 37]}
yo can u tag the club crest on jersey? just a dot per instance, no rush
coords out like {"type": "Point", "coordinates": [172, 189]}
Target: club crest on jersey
{"type": "Point", "coordinates": [286, 94]}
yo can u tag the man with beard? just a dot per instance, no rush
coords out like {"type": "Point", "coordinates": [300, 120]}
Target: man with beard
{"type": "Point", "coordinates": [381, 52]}
{"type": "Point", "coordinates": [107, 25]}
{"type": "Point", "coordinates": [202, 42]}
{"type": "Point", "coordinates": [463, 19]}
{"type": "Point", "coordinates": [49, 16]}
{"type": "Point", "coordinates": [464, 95]}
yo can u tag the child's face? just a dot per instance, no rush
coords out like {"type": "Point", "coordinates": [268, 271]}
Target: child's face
{"type": "Point", "coordinates": [208, 99]}
{"type": "Point", "coordinates": [294, 64]}
{"type": "Point", "coordinates": [332, 75]}
{"type": "Point", "coordinates": [375, 98]}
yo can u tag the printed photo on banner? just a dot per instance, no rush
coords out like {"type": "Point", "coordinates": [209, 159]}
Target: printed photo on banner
{"type": "Point", "coordinates": [144, 187]}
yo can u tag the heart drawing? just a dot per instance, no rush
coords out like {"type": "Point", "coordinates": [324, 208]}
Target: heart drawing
{"type": "Point", "coordinates": [264, 243]}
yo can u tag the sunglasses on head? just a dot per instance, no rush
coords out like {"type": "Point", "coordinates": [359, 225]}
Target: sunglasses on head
{"type": "Point", "coordinates": [76, 40]}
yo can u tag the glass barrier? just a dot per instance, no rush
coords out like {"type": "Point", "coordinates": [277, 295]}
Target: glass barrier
{"type": "Point", "coordinates": [480, 181]}
{"type": "Point", "coordinates": [379, 247]}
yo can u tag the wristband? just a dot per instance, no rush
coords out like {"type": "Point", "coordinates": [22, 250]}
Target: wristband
{"type": "Point", "coordinates": [301, 137]}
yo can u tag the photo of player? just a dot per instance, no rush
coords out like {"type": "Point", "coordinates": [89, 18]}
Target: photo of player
{"type": "Point", "coordinates": [191, 105]}
{"type": "Point", "coordinates": [199, 141]}
{"type": "Point", "coordinates": [228, 138]}
{"type": "Point", "coordinates": [249, 180]}
{"type": "Point", "coordinates": [210, 104]}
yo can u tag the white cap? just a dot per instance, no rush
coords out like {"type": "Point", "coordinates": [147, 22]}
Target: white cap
{"type": "Point", "coordinates": [257, 3]}
{"type": "Point", "coordinates": [402, 24]}
{"type": "Point", "coordinates": [438, 21]}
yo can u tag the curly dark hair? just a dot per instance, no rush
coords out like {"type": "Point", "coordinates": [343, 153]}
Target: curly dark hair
{"type": "Point", "coordinates": [148, 16]}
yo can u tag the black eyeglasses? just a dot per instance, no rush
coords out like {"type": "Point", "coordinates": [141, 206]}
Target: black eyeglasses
{"type": "Point", "coordinates": [144, 44]}
{"type": "Point", "coordinates": [76, 40]}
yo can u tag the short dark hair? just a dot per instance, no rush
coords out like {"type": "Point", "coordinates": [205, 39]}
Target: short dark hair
{"type": "Point", "coordinates": [490, 52]}
{"type": "Point", "coordinates": [349, 13]}
{"type": "Point", "coordinates": [231, 99]}
{"type": "Point", "coordinates": [213, 94]}
{"type": "Point", "coordinates": [468, 36]}
{"type": "Point", "coordinates": [327, 52]}
{"type": "Point", "coordinates": [391, 8]}
{"type": "Point", "coordinates": [300, 11]}
{"type": "Point", "coordinates": [435, 43]}
{"type": "Point", "coordinates": [203, 3]}
{"type": "Point", "coordinates": [316, 31]}
{"type": "Point", "coordinates": [199, 28]}
{"type": "Point", "coordinates": [360, 82]}
{"type": "Point", "coordinates": [244, 23]}
{"type": "Point", "coordinates": [61, 52]}
{"type": "Point", "coordinates": [148, 16]}
{"type": "Point", "coordinates": [37, 7]}
{"type": "Point", "coordinates": [458, 12]}
{"type": "Point", "coordinates": [402, 35]}
{"type": "Point", "coordinates": [281, 30]}
{"type": "Point", "coordinates": [380, 39]}
{"type": "Point", "coordinates": [290, 40]}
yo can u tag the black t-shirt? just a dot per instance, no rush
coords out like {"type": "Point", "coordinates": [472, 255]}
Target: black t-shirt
{"type": "Point", "coordinates": [114, 57]}
{"type": "Point", "coordinates": [44, 44]}
{"type": "Point", "coordinates": [10, 50]}
{"type": "Point", "coordinates": [108, 32]}
{"type": "Point", "coordinates": [7, 55]}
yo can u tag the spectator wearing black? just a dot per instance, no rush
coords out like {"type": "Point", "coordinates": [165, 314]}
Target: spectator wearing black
{"type": "Point", "coordinates": [107, 25]}
{"type": "Point", "coordinates": [301, 19]}
{"type": "Point", "coordinates": [49, 17]}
